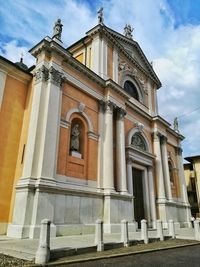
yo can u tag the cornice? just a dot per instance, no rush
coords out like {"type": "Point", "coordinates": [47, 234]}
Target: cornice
{"type": "Point", "coordinates": [110, 83]}
{"type": "Point", "coordinates": [179, 136]}
{"type": "Point", "coordinates": [138, 110]}
{"type": "Point", "coordinates": [161, 120]}
{"type": "Point", "coordinates": [12, 70]}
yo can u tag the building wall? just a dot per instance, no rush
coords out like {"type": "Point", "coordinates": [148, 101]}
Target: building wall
{"type": "Point", "coordinates": [11, 121]}
{"type": "Point", "coordinates": [192, 176]}
{"type": "Point", "coordinates": [86, 167]}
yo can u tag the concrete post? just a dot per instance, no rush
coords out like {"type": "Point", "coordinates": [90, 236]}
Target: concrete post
{"type": "Point", "coordinates": [144, 232]}
{"type": "Point", "coordinates": [171, 229]}
{"type": "Point", "coordinates": [196, 230]}
{"type": "Point", "coordinates": [99, 235]}
{"type": "Point", "coordinates": [124, 233]}
{"type": "Point", "coordinates": [160, 230]}
{"type": "Point", "coordinates": [43, 252]}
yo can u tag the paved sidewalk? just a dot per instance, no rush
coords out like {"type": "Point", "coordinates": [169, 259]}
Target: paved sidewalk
{"type": "Point", "coordinates": [70, 245]}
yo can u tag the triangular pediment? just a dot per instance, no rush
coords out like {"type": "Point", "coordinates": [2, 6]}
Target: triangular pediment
{"type": "Point", "coordinates": [133, 49]}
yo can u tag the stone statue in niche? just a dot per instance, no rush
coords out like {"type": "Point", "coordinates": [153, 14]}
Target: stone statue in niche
{"type": "Point", "coordinates": [75, 138]}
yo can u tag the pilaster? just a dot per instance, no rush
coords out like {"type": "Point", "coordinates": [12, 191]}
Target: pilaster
{"type": "Point", "coordinates": [166, 167]}
{"type": "Point", "coordinates": [115, 65]}
{"type": "Point", "coordinates": [3, 76]}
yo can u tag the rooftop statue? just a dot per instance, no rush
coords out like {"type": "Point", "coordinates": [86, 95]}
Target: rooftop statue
{"type": "Point", "coordinates": [176, 125]}
{"type": "Point", "coordinates": [128, 31]}
{"type": "Point", "coordinates": [100, 15]}
{"type": "Point", "coordinates": [57, 29]}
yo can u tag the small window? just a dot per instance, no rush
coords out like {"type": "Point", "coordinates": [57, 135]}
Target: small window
{"type": "Point", "coordinates": [130, 88]}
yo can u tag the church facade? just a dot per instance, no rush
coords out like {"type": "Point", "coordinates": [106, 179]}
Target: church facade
{"type": "Point", "coordinates": [83, 140]}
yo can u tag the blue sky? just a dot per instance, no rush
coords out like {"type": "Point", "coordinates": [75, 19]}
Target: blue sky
{"type": "Point", "coordinates": [168, 31]}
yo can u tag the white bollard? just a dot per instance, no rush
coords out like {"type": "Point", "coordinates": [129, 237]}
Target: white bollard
{"type": "Point", "coordinates": [171, 229]}
{"type": "Point", "coordinates": [124, 233]}
{"type": "Point", "coordinates": [43, 253]}
{"type": "Point", "coordinates": [160, 230]}
{"type": "Point", "coordinates": [196, 230]}
{"type": "Point", "coordinates": [144, 232]}
{"type": "Point", "coordinates": [99, 235]}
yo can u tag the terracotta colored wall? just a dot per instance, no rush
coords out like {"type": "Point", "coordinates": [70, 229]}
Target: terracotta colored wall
{"type": "Point", "coordinates": [85, 168]}
{"type": "Point", "coordinates": [11, 119]}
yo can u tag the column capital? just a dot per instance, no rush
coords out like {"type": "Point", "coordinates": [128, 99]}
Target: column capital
{"type": "Point", "coordinates": [101, 105]}
{"type": "Point", "coordinates": [150, 168]}
{"type": "Point", "coordinates": [129, 160]}
{"type": "Point", "coordinates": [163, 139]}
{"type": "Point", "coordinates": [179, 151]}
{"type": "Point", "coordinates": [156, 136]}
{"type": "Point", "coordinates": [106, 106]}
{"type": "Point", "coordinates": [121, 113]}
{"type": "Point", "coordinates": [41, 74]}
{"type": "Point", "coordinates": [55, 76]}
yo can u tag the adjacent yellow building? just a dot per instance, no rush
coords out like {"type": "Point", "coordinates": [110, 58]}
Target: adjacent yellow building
{"type": "Point", "coordinates": [81, 139]}
{"type": "Point", "coordinates": [192, 176]}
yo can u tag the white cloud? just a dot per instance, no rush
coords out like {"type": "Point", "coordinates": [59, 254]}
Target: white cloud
{"type": "Point", "coordinates": [13, 52]}
{"type": "Point", "coordinates": [175, 51]}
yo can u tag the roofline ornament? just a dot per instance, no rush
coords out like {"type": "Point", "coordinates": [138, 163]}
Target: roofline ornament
{"type": "Point", "coordinates": [100, 16]}
{"type": "Point", "coordinates": [57, 30]}
{"type": "Point", "coordinates": [128, 31]}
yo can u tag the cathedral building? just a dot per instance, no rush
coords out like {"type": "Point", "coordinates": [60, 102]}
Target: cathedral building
{"type": "Point", "coordinates": [81, 139]}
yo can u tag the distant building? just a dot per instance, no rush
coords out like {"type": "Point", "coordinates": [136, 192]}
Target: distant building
{"type": "Point", "coordinates": [81, 139]}
{"type": "Point", "coordinates": [192, 176]}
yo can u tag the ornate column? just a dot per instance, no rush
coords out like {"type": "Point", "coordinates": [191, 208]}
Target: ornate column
{"type": "Point", "coordinates": [147, 197]}
{"type": "Point", "coordinates": [129, 173]}
{"type": "Point", "coordinates": [181, 175]}
{"type": "Point", "coordinates": [120, 152]}
{"type": "Point", "coordinates": [159, 169]}
{"type": "Point", "coordinates": [108, 173]}
{"type": "Point", "coordinates": [166, 167]}
{"type": "Point", "coordinates": [152, 197]}
{"type": "Point", "coordinates": [100, 145]}
{"type": "Point", "coordinates": [183, 186]}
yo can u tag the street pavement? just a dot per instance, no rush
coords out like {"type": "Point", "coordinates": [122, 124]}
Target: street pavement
{"type": "Point", "coordinates": [177, 257]}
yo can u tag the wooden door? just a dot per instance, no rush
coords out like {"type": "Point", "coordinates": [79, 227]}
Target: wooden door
{"type": "Point", "coordinates": [138, 195]}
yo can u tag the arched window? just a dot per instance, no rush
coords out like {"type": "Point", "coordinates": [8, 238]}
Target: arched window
{"type": "Point", "coordinates": [138, 142]}
{"type": "Point", "coordinates": [130, 88]}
